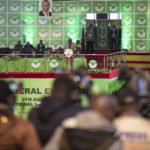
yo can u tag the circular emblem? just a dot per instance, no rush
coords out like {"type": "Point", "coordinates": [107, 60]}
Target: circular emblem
{"type": "Point", "coordinates": [35, 64]}
{"type": "Point", "coordinates": [53, 63]}
{"type": "Point", "coordinates": [93, 64]}
{"type": "Point", "coordinates": [68, 52]}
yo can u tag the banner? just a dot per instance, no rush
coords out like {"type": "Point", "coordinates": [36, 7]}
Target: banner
{"type": "Point", "coordinates": [34, 89]}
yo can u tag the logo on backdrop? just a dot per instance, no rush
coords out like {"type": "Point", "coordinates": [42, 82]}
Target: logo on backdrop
{"type": "Point", "coordinates": [102, 44]}
{"type": "Point", "coordinates": [12, 44]}
{"type": "Point", "coordinates": [57, 21]}
{"type": "Point", "coordinates": [71, 20]}
{"type": "Point", "coordinates": [28, 20]}
{"type": "Point", "coordinates": [127, 7]}
{"type": "Point", "coordinates": [28, 7]}
{"type": "Point", "coordinates": [99, 7]}
{"type": "Point", "coordinates": [103, 35]}
{"type": "Point", "coordinates": [2, 20]}
{"type": "Point", "coordinates": [141, 34]}
{"type": "Point", "coordinates": [71, 8]}
{"type": "Point", "coordinates": [113, 7]}
{"type": "Point", "coordinates": [45, 8]}
{"type": "Point", "coordinates": [127, 34]}
{"type": "Point", "coordinates": [141, 46]}
{"type": "Point", "coordinates": [57, 8]}
{"type": "Point", "coordinates": [57, 33]}
{"type": "Point", "coordinates": [14, 33]}
{"type": "Point", "coordinates": [14, 7]}
{"type": "Point", "coordinates": [43, 21]}
{"type": "Point", "coordinates": [2, 45]}
{"type": "Point", "coordinates": [141, 7]}
{"type": "Point", "coordinates": [43, 33]}
{"type": "Point", "coordinates": [85, 8]}
{"type": "Point", "coordinates": [71, 34]}
{"type": "Point", "coordinates": [2, 7]}
{"type": "Point", "coordinates": [14, 20]}
{"type": "Point", "coordinates": [2, 33]}
{"type": "Point", "coordinates": [127, 20]}
{"type": "Point", "coordinates": [141, 20]}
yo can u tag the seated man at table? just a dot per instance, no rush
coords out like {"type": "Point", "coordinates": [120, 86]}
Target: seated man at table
{"type": "Point", "coordinates": [18, 48]}
{"type": "Point", "coordinates": [40, 47]}
{"type": "Point", "coordinates": [48, 52]}
{"type": "Point", "coordinates": [28, 48]}
{"type": "Point", "coordinates": [28, 45]}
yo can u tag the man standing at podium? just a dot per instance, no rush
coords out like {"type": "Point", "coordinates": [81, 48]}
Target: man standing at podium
{"type": "Point", "coordinates": [70, 45]}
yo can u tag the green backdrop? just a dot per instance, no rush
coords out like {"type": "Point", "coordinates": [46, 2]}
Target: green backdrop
{"type": "Point", "coordinates": [19, 20]}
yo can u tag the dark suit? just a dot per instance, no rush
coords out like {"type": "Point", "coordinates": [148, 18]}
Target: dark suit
{"type": "Point", "coordinates": [41, 13]}
{"type": "Point", "coordinates": [113, 39]}
{"type": "Point", "coordinates": [40, 48]}
{"type": "Point", "coordinates": [119, 39]}
{"type": "Point", "coordinates": [28, 46]}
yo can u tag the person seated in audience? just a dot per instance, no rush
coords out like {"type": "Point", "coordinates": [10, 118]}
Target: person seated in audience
{"type": "Point", "coordinates": [54, 109]}
{"type": "Point", "coordinates": [89, 130]}
{"type": "Point", "coordinates": [18, 48]}
{"type": "Point", "coordinates": [48, 52]}
{"type": "Point", "coordinates": [60, 50]}
{"type": "Point", "coordinates": [78, 47]}
{"type": "Point", "coordinates": [40, 47]}
{"type": "Point", "coordinates": [134, 130]}
{"type": "Point", "coordinates": [28, 45]}
{"type": "Point", "coordinates": [15, 133]}
{"type": "Point", "coordinates": [70, 45]}
{"type": "Point", "coordinates": [28, 49]}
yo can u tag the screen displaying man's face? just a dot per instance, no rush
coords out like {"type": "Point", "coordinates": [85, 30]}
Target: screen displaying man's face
{"type": "Point", "coordinates": [45, 6]}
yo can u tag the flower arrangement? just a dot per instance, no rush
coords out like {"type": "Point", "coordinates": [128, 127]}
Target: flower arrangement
{"type": "Point", "coordinates": [99, 71]}
{"type": "Point", "coordinates": [57, 56]}
{"type": "Point", "coordinates": [11, 57]}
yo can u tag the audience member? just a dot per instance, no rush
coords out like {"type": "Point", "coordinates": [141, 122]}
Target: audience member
{"type": "Point", "coordinates": [28, 45]}
{"type": "Point", "coordinates": [15, 133]}
{"type": "Point", "coordinates": [54, 109]}
{"type": "Point", "coordinates": [133, 129]}
{"type": "Point", "coordinates": [78, 47]}
{"type": "Point", "coordinates": [48, 52]}
{"type": "Point", "coordinates": [89, 130]}
{"type": "Point", "coordinates": [18, 48]}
